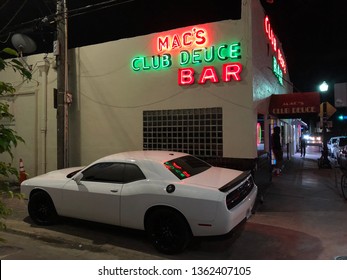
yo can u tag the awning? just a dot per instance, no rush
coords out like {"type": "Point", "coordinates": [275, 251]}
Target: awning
{"type": "Point", "coordinates": [294, 105]}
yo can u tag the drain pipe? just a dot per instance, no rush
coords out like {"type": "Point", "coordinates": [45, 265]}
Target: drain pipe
{"type": "Point", "coordinates": [43, 68]}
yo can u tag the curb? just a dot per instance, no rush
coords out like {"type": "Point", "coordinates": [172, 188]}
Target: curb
{"type": "Point", "coordinates": [62, 240]}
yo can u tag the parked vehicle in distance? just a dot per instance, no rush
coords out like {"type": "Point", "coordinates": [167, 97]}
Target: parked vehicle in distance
{"type": "Point", "coordinates": [313, 139]}
{"type": "Point", "coordinates": [338, 146]}
{"type": "Point", "coordinates": [172, 196]}
{"type": "Point", "coordinates": [331, 143]}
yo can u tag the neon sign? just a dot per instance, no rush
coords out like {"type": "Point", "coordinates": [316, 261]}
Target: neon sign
{"type": "Point", "coordinates": [277, 70]}
{"type": "Point", "coordinates": [279, 63]}
{"type": "Point", "coordinates": [196, 56]}
{"type": "Point", "coordinates": [196, 36]}
{"type": "Point", "coordinates": [270, 34]}
{"type": "Point", "coordinates": [222, 52]}
{"type": "Point", "coordinates": [230, 71]}
{"type": "Point", "coordinates": [187, 49]}
{"type": "Point", "coordinates": [154, 62]}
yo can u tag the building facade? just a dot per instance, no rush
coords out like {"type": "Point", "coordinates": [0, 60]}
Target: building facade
{"type": "Point", "coordinates": [202, 89]}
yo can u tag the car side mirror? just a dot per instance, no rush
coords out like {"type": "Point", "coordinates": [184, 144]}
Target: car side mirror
{"type": "Point", "coordinates": [78, 178]}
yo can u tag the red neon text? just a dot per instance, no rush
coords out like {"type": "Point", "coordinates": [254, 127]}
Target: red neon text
{"type": "Point", "coordinates": [272, 38]}
{"type": "Point", "coordinates": [230, 71]}
{"type": "Point", "coordinates": [196, 36]}
{"type": "Point", "coordinates": [282, 61]}
{"type": "Point", "coordinates": [270, 34]}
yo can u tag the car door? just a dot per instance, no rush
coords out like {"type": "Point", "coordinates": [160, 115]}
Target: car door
{"type": "Point", "coordinates": [96, 197]}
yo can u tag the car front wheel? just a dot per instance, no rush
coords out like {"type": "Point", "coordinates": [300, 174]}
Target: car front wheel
{"type": "Point", "coordinates": [168, 231]}
{"type": "Point", "coordinates": [41, 209]}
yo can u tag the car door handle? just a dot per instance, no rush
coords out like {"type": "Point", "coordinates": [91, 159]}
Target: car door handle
{"type": "Point", "coordinates": [115, 191]}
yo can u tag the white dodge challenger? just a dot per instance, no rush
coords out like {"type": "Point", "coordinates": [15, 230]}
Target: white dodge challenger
{"type": "Point", "coordinates": [172, 196]}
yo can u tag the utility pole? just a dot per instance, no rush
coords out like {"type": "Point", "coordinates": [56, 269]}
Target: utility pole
{"type": "Point", "coordinates": [62, 85]}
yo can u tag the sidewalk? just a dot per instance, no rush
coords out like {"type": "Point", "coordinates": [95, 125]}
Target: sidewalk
{"type": "Point", "coordinates": [307, 202]}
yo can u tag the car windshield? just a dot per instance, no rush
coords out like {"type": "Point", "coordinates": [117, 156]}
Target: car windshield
{"type": "Point", "coordinates": [186, 166]}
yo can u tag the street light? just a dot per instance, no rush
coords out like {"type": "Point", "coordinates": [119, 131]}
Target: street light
{"type": "Point", "coordinates": [323, 161]}
{"type": "Point", "coordinates": [323, 87]}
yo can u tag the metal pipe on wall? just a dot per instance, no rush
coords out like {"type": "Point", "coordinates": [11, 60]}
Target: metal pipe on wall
{"type": "Point", "coordinates": [44, 68]}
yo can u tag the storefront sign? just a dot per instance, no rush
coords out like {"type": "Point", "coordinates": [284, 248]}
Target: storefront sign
{"type": "Point", "coordinates": [276, 69]}
{"type": "Point", "coordinates": [189, 48]}
{"type": "Point", "coordinates": [187, 39]}
{"type": "Point", "coordinates": [279, 63]}
{"type": "Point", "coordinates": [231, 71]}
{"type": "Point", "coordinates": [294, 104]}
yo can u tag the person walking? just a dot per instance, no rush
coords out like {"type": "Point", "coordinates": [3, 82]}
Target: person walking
{"type": "Point", "coordinates": [277, 149]}
{"type": "Point", "coordinates": [302, 146]}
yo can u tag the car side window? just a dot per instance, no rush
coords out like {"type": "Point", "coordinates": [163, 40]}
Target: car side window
{"type": "Point", "coordinates": [132, 173]}
{"type": "Point", "coordinates": [108, 172]}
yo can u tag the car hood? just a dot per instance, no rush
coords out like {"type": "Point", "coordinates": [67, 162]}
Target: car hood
{"type": "Point", "coordinates": [59, 174]}
{"type": "Point", "coordinates": [214, 177]}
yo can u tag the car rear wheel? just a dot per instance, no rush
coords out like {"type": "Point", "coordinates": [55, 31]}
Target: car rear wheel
{"type": "Point", "coordinates": [168, 231]}
{"type": "Point", "coordinates": [41, 209]}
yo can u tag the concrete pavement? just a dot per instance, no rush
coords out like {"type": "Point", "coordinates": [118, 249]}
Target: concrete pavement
{"type": "Point", "coordinates": [303, 216]}
{"type": "Point", "coordinates": [307, 203]}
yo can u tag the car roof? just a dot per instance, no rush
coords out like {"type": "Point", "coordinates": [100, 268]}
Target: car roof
{"type": "Point", "coordinates": [150, 162]}
{"type": "Point", "coordinates": [133, 156]}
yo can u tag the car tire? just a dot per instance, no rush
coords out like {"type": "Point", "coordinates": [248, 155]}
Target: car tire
{"type": "Point", "coordinates": [168, 230]}
{"type": "Point", "coordinates": [41, 209]}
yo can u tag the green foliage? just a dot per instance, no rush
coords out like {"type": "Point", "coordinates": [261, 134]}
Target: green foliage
{"type": "Point", "coordinates": [6, 193]}
{"type": "Point", "coordinates": [8, 137]}
{"type": "Point", "coordinates": [14, 63]}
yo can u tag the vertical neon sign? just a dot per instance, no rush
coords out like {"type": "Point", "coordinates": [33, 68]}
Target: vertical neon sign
{"type": "Point", "coordinates": [279, 63]}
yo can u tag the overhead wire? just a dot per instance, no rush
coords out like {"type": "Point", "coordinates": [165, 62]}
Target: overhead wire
{"type": "Point", "coordinates": [70, 13]}
{"type": "Point", "coordinates": [99, 6]}
{"type": "Point", "coordinates": [14, 16]}
{"type": "Point", "coordinates": [4, 4]}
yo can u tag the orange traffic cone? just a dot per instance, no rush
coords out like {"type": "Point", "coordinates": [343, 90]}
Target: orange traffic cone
{"type": "Point", "coordinates": [22, 174]}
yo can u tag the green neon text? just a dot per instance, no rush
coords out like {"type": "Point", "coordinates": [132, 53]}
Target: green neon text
{"type": "Point", "coordinates": [208, 55]}
{"type": "Point", "coordinates": [196, 56]}
{"type": "Point", "coordinates": [154, 62]}
{"type": "Point", "coordinates": [277, 70]}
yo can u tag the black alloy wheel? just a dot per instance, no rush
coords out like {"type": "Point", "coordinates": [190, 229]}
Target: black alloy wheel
{"type": "Point", "coordinates": [168, 231]}
{"type": "Point", "coordinates": [41, 209]}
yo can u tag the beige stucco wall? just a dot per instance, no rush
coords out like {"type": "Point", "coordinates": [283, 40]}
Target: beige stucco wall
{"type": "Point", "coordinates": [112, 96]}
{"type": "Point", "coordinates": [27, 105]}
